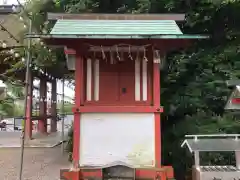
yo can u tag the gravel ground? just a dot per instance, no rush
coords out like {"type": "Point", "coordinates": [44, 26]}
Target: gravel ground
{"type": "Point", "coordinates": [39, 163]}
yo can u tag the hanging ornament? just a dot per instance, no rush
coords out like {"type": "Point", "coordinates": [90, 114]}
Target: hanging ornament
{"type": "Point", "coordinates": [156, 57]}
{"type": "Point", "coordinates": [44, 31]}
{"type": "Point", "coordinates": [129, 53]}
{"type": "Point", "coordinates": [12, 51]}
{"type": "Point", "coordinates": [4, 45]}
{"type": "Point", "coordinates": [144, 55]}
{"type": "Point", "coordinates": [118, 57]}
{"type": "Point", "coordinates": [103, 54]}
{"type": "Point", "coordinates": [46, 22]}
{"type": "Point", "coordinates": [16, 55]}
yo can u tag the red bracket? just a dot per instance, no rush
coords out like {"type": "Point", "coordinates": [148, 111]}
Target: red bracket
{"type": "Point", "coordinates": [70, 51]}
{"type": "Point", "coordinates": [75, 110]}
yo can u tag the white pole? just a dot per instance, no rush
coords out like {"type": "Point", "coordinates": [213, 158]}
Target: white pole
{"type": "Point", "coordinates": [26, 99]}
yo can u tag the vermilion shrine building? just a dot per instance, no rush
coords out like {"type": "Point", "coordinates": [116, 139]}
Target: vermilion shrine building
{"type": "Point", "coordinates": [117, 113]}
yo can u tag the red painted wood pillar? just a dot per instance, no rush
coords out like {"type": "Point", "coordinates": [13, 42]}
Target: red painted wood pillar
{"type": "Point", "coordinates": [79, 94]}
{"type": "Point", "coordinates": [156, 102]}
{"type": "Point", "coordinates": [42, 123]}
{"type": "Point", "coordinates": [54, 106]}
{"type": "Point", "coordinates": [28, 112]}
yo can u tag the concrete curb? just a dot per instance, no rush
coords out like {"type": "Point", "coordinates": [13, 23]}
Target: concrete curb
{"type": "Point", "coordinates": [57, 144]}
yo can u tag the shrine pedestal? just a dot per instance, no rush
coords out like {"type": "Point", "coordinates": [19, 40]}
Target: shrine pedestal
{"type": "Point", "coordinates": [164, 173]}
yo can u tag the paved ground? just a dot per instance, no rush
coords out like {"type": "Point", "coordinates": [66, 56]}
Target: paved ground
{"type": "Point", "coordinates": [12, 139]}
{"type": "Point", "coordinates": [39, 163]}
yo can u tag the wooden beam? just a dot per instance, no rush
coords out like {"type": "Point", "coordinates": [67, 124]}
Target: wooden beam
{"type": "Point", "coordinates": [175, 17]}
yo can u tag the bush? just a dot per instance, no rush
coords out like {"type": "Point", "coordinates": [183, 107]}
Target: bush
{"type": "Point", "coordinates": [69, 147]}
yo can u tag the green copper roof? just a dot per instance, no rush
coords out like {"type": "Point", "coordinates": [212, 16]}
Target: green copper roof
{"type": "Point", "coordinates": [115, 27]}
{"type": "Point", "coordinates": [76, 36]}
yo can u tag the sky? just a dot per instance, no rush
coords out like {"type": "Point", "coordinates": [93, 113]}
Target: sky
{"type": "Point", "coordinates": [67, 91]}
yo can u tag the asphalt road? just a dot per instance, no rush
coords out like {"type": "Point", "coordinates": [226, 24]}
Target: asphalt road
{"type": "Point", "coordinates": [39, 163]}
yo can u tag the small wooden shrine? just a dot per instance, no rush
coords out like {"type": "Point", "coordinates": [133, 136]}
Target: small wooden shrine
{"type": "Point", "coordinates": [233, 102]}
{"type": "Point", "coordinates": [214, 143]}
{"type": "Point", "coordinates": [117, 115]}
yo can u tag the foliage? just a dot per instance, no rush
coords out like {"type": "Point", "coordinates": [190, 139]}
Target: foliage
{"type": "Point", "coordinates": [67, 108]}
{"type": "Point", "coordinates": [194, 91]}
{"type": "Point", "coordinates": [18, 110]}
{"type": "Point", "coordinates": [8, 107]}
{"type": "Point", "coordinates": [15, 91]}
{"type": "Point", "coordinates": [69, 147]}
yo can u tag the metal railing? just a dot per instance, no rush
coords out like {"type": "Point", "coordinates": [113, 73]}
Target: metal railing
{"type": "Point", "coordinates": [17, 126]}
